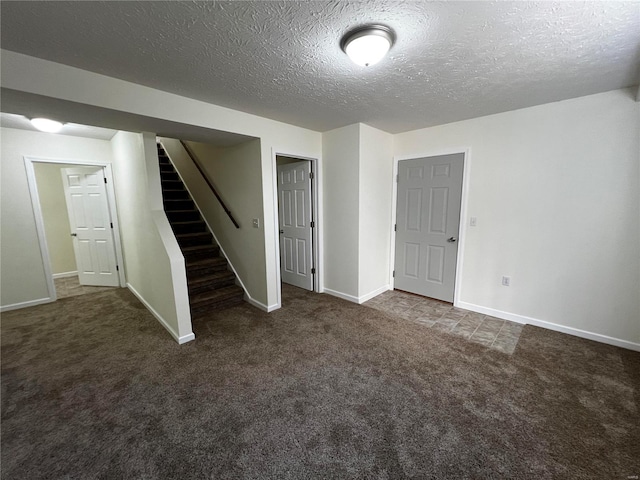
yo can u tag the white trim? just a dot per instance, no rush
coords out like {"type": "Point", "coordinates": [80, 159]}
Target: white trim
{"type": "Point", "coordinates": [42, 239]}
{"type": "Point", "coordinates": [362, 298]}
{"type": "Point", "coordinates": [30, 303]}
{"type": "Point", "coordinates": [260, 305]}
{"type": "Point", "coordinates": [514, 317]}
{"type": "Point", "coordinates": [111, 198]}
{"type": "Point", "coordinates": [344, 296]}
{"type": "Point", "coordinates": [375, 293]}
{"type": "Point", "coordinates": [464, 201]}
{"type": "Point", "coordinates": [163, 322]}
{"type": "Point", "coordinates": [35, 200]}
{"type": "Point", "coordinates": [65, 274]}
{"type": "Point", "coordinates": [316, 199]}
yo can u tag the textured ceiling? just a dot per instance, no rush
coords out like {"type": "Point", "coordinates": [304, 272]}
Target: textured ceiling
{"type": "Point", "coordinates": [282, 60]}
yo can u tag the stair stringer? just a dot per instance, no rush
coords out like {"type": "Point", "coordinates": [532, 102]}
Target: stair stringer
{"type": "Point", "coordinates": [247, 296]}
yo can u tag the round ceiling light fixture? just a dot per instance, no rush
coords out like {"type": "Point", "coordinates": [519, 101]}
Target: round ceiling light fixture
{"type": "Point", "coordinates": [367, 45]}
{"type": "Point", "coordinates": [46, 125]}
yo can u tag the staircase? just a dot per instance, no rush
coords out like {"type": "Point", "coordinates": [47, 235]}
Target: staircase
{"type": "Point", "coordinates": [211, 284]}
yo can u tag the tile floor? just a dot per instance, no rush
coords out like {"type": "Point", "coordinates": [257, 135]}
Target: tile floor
{"type": "Point", "coordinates": [70, 287]}
{"type": "Point", "coordinates": [489, 331]}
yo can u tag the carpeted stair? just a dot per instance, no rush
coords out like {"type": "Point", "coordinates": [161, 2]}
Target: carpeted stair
{"type": "Point", "coordinates": [211, 284]}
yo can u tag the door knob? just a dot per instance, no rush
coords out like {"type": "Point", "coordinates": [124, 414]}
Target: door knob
{"type": "Point", "coordinates": [74, 234]}
{"type": "Point", "coordinates": [451, 240]}
{"type": "Point", "coordinates": [281, 232]}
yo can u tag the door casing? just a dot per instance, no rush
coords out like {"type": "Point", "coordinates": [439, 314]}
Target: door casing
{"type": "Point", "coordinates": [37, 211]}
{"type": "Point", "coordinates": [316, 197]}
{"type": "Point", "coordinates": [463, 212]}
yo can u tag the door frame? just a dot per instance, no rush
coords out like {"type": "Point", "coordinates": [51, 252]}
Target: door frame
{"type": "Point", "coordinates": [316, 199]}
{"type": "Point", "coordinates": [29, 162]}
{"type": "Point", "coordinates": [464, 201]}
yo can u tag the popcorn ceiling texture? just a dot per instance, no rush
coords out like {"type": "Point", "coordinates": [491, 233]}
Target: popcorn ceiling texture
{"type": "Point", "coordinates": [282, 60]}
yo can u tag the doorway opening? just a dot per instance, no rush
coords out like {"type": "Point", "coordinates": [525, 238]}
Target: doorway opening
{"type": "Point", "coordinates": [429, 201]}
{"type": "Point", "coordinates": [75, 212]}
{"type": "Point", "coordinates": [297, 230]}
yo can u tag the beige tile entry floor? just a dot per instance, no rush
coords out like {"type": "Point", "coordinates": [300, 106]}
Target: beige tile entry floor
{"type": "Point", "coordinates": [70, 287]}
{"type": "Point", "coordinates": [489, 331]}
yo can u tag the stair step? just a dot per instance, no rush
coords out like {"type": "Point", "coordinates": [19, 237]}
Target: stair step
{"type": "Point", "coordinates": [195, 238]}
{"type": "Point", "coordinates": [203, 283]}
{"type": "Point", "coordinates": [166, 167]}
{"type": "Point", "coordinates": [163, 158]}
{"type": "Point", "coordinates": [198, 267]}
{"type": "Point", "coordinates": [181, 204]}
{"type": "Point", "coordinates": [175, 194]}
{"type": "Point", "coordinates": [186, 215]}
{"type": "Point", "coordinates": [205, 302]}
{"type": "Point", "coordinates": [201, 252]}
{"type": "Point", "coordinates": [171, 184]}
{"type": "Point", "coordinates": [188, 227]}
{"type": "Point", "coordinates": [169, 176]}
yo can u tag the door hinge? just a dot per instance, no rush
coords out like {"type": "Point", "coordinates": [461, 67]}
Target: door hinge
{"type": "Point", "coordinates": [105, 179]}
{"type": "Point", "coordinates": [395, 227]}
{"type": "Point", "coordinates": [313, 271]}
{"type": "Point", "coordinates": [117, 268]}
{"type": "Point", "coordinates": [394, 274]}
{"type": "Point", "coordinates": [311, 175]}
{"type": "Point", "coordinates": [111, 225]}
{"type": "Point", "coordinates": [313, 224]}
{"type": "Point", "coordinates": [398, 178]}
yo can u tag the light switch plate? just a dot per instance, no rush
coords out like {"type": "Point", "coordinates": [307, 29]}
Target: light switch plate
{"type": "Point", "coordinates": [256, 223]}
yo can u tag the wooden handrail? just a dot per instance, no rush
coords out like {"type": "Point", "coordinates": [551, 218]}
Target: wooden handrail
{"type": "Point", "coordinates": [206, 178]}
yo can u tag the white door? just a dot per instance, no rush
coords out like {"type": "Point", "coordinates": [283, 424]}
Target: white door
{"type": "Point", "coordinates": [91, 226]}
{"type": "Point", "coordinates": [427, 224]}
{"type": "Point", "coordinates": [294, 212]}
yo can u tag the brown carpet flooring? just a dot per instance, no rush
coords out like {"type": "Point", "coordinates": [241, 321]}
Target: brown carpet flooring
{"type": "Point", "coordinates": [93, 387]}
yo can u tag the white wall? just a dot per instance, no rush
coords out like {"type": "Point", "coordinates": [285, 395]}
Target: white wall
{"type": "Point", "coordinates": [341, 159]}
{"type": "Point", "coordinates": [358, 184]}
{"type": "Point", "coordinates": [36, 76]}
{"type": "Point", "coordinates": [375, 200]}
{"type": "Point", "coordinates": [55, 217]}
{"type": "Point", "coordinates": [236, 173]}
{"type": "Point", "coordinates": [555, 189]}
{"type": "Point", "coordinates": [22, 272]}
{"type": "Point", "coordinates": [154, 265]}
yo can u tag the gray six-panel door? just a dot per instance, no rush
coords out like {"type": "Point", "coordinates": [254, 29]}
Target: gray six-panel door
{"type": "Point", "coordinates": [295, 214]}
{"type": "Point", "coordinates": [427, 225]}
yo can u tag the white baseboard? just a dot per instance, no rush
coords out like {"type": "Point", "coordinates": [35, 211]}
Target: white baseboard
{"type": "Point", "coordinates": [163, 322]}
{"type": "Point", "coordinates": [341, 295]}
{"type": "Point", "coordinates": [65, 274]}
{"type": "Point", "coordinates": [596, 337]}
{"type": "Point", "coordinates": [30, 303]}
{"type": "Point", "coordinates": [260, 305]}
{"type": "Point", "coordinates": [359, 300]}
{"type": "Point", "coordinates": [375, 293]}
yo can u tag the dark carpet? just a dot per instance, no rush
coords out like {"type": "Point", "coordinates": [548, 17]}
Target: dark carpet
{"type": "Point", "coordinates": [93, 387]}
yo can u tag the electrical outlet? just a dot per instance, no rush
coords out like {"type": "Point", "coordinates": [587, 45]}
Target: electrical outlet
{"type": "Point", "coordinates": [506, 281]}
{"type": "Point", "coordinates": [473, 221]}
{"type": "Point", "coordinates": [256, 223]}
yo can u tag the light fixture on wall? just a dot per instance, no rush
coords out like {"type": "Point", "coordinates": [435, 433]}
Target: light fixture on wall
{"type": "Point", "coordinates": [367, 45]}
{"type": "Point", "coordinates": [46, 125]}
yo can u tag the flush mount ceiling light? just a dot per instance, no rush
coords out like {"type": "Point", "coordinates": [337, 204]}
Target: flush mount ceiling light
{"type": "Point", "coordinates": [46, 125]}
{"type": "Point", "coordinates": [367, 45]}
